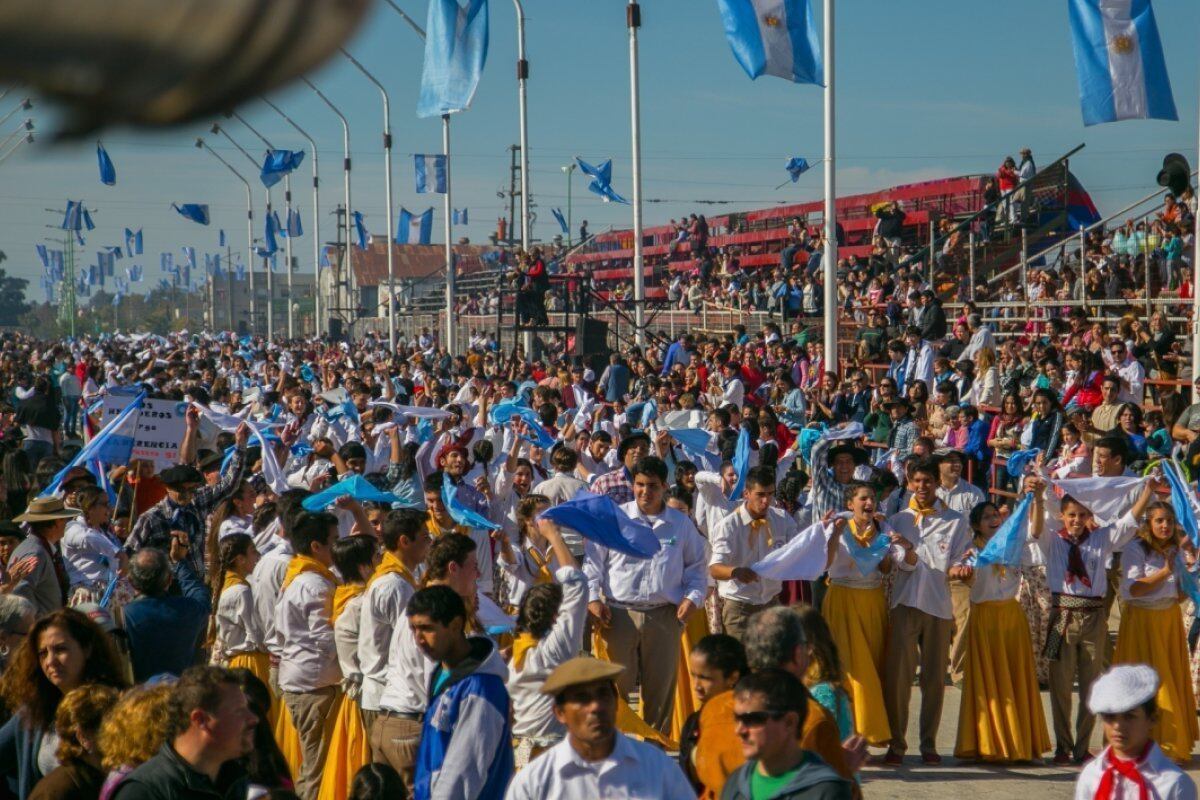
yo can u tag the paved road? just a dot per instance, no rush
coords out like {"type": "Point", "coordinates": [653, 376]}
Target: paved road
{"type": "Point", "coordinates": [955, 781]}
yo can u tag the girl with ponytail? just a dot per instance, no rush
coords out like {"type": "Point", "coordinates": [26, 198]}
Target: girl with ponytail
{"type": "Point", "coordinates": [238, 640]}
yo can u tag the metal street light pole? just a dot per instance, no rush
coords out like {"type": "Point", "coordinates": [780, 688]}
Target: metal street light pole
{"type": "Point", "coordinates": [28, 139]}
{"type": "Point", "coordinates": [522, 77]}
{"type": "Point", "coordinates": [316, 228]}
{"type": "Point", "coordinates": [387, 189]}
{"type": "Point", "coordinates": [216, 128]}
{"type": "Point", "coordinates": [287, 244]}
{"type": "Point", "coordinates": [346, 186]}
{"type": "Point", "coordinates": [570, 170]}
{"type": "Point", "coordinates": [633, 19]}
{"type": "Point", "coordinates": [200, 143]}
{"type": "Point", "coordinates": [24, 105]}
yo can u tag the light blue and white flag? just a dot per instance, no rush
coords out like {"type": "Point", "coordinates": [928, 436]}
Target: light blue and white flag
{"type": "Point", "coordinates": [460, 216]}
{"type": "Point", "coordinates": [196, 212]}
{"type": "Point", "coordinates": [221, 238]}
{"type": "Point", "coordinates": [601, 180]}
{"type": "Point", "coordinates": [431, 173]}
{"type": "Point", "coordinates": [774, 37]}
{"type": "Point", "coordinates": [1104, 497]}
{"type": "Point", "coordinates": [1183, 499]}
{"type": "Point", "coordinates": [112, 445]}
{"type": "Point", "coordinates": [801, 559]}
{"type": "Point", "coordinates": [456, 46]}
{"type": "Point", "coordinates": [166, 262]}
{"type": "Point", "coordinates": [562, 221]}
{"type": "Point", "coordinates": [796, 167]}
{"type": "Point", "coordinates": [294, 227]}
{"type": "Point", "coordinates": [108, 173]}
{"type": "Point", "coordinates": [360, 231]}
{"type": "Point", "coordinates": [133, 242]}
{"type": "Point", "coordinates": [460, 513]}
{"type": "Point", "coordinates": [279, 163]}
{"type": "Point", "coordinates": [1119, 61]}
{"type": "Point", "coordinates": [599, 519]}
{"type": "Point", "coordinates": [741, 463]}
{"type": "Point", "coordinates": [1007, 544]}
{"type": "Point", "coordinates": [43, 255]}
{"type": "Point", "coordinates": [414, 228]}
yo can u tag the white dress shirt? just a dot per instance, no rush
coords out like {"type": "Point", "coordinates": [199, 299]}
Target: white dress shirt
{"type": "Point", "coordinates": [1096, 550]}
{"type": "Point", "coordinates": [406, 688]}
{"type": "Point", "coordinates": [844, 571]}
{"type": "Point", "coordinates": [711, 503]}
{"type": "Point", "coordinates": [308, 655]}
{"type": "Point", "coordinates": [633, 771]}
{"type": "Point", "coordinates": [90, 554]}
{"type": "Point", "coordinates": [1132, 373]}
{"type": "Point", "coordinates": [383, 604]}
{"type": "Point", "coordinates": [941, 539]}
{"type": "Point", "coordinates": [533, 712]}
{"type": "Point", "coordinates": [734, 545]}
{"type": "Point", "coordinates": [236, 524]}
{"type": "Point", "coordinates": [238, 627]}
{"type": "Point", "coordinates": [960, 498]}
{"type": "Point", "coordinates": [678, 571]}
{"type": "Point", "coordinates": [1137, 563]}
{"type": "Point", "coordinates": [733, 392]}
{"type": "Point", "coordinates": [525, 571]}
{"type": "Point", "coordinates": [1166, 780]}
{"type": "Point", "coordinates": [265, 582]}
{"type": "Point", "coordinates": [345, 637]}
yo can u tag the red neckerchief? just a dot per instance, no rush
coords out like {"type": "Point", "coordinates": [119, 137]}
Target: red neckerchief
{"type": "Point", "coordinates": [1076, 569]}
{"type": "Point", "coordinates": [1114, 766]}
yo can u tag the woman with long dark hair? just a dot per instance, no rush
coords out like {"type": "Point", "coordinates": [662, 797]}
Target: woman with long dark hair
{"type": "Point", "coordinates": [40, 419]}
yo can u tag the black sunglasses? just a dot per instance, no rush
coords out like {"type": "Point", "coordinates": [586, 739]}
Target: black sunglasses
{"type": "Point", "coordinates": [754, 719]}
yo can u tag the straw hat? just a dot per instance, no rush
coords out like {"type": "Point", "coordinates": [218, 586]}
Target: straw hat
{"type": "Point", "coordinates": [45, 509]}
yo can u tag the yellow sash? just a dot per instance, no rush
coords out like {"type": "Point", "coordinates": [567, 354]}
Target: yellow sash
{"type": "Point", "coordinates": [342, 596]}
{"type": "Point", "coordinates": [232, 579]}
{"type": "Point", "coordinates": [544, 575]}
{"type": "Point", "coordinates": [759, 527]}
{"type": "Point", "coordinates": [862, 540]}
{"type": "Point", "coordinates": [392, 565]}
{"type": "Point", "coordinates": [302, 564]}
{"type": "Point", "coordinates": [436, 531]}
{"type": "Point", "coordinates": [521, 647]}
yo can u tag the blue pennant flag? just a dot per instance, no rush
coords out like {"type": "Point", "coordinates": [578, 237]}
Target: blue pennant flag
{"type": "Point", "coordinates": [796, 167]}
{"type": "Point", "coordinates": [43, 254]}
{"type": "Point", "coordinates": [295, 227]}
{"type": "Point", "coordinates": [431, 173]}
{"type": "Point", "coordinates": [112, 445]}
{"type": "Point", "coordinates": [360, 231]}
{"type": "Point", "coordinates": [133, 242]}
{"type": "Point", "coordinates": [599, 519]}
{"type": "Point", "coordinates": [196, 212]}
{"type": "Point", "coordinates": [774, 37]}
{"type": "Point", "coordinates": [221, 238]}
{"type": "Point", "coordinates": [1183, 499]}
{"type": "Point", "coordinates": [601, 180]}
{"type": "Point", "coordinates": [562, 221]}
{"type": "Point", "coordinates": [741, 463]}
{"type": "Point", "coordinates": [414, 228]}
{"type": "Point", "coordinates": [456, 47]}
{"type": "Point", "coordinates": [866, 557]}
{"type": "Point", "coordinates": [270, 229]}
{"type": "Point", "coordinates": [73, 218]}
{"type": "Point", "coordinates": [87, 218]}
{"type": "Point", "coordinates": [355, 486]}
{"type": "Point", "coordinates": [279, 163]}
{"type": "Point", "coordinates": [1007, 544]}
{"type": "Point", "coordinates": [1119, 61]}
{"type": "Point", "coordinates": [460, 513]}
{"type": "Point", "coordinates": [108, 173]}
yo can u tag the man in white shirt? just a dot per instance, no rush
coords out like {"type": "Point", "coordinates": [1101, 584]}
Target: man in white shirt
{"type": "Point", "coordinates": [741, 539]}
{"type": "Point", "coordinates": [638, 604]}
{"type": "Point", "coordinates": [405, 539]}
{"type": "Point", "coordinates": [712, 496]}
{"type": "Point", "coordinates": [267, 578]}
{"type": "Point", "coordinates": [1132, 765]}
{"type": "Point", "coordinates": [918, 361]}
{"type": "Point", "coordinates": [922, 615]}
{"type": "Point", "coordinates": [561, 487]}
{"type": "Point", "coordinates": [733, 391]}
{"type": "Point", "coordinates": [309, 675]}
{"type": "Point", "coordinates": [396, 732]}
{"type": "Point", "coordinates": [595, 759]}
{"type": "Point", "coordinates": [1130, 371]}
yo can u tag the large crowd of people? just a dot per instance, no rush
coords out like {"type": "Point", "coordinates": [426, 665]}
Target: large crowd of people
{"type": "Point", "coordinates": [709, 567]}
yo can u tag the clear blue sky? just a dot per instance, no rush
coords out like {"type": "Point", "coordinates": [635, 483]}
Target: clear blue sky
{"type": "Point", "coordinates": [925, 89]}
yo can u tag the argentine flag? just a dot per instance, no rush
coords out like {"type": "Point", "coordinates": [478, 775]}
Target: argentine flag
{"type": "Point", "coordinates": [774, 37]}
{"type": "Point", "coordinates": [431, 173]}
{"type": "Point", "coordinates": [1119, 60]}
{"type": "Point", "coordinates": [414, 228]}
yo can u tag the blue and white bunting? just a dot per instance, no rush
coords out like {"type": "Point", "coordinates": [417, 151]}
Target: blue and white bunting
{"type": "Point", "coordinates": [456, 48]}
{"type": "Point", "coordinates": [414, 228]}
{"type": "Point", "coordinates": [430, 173]}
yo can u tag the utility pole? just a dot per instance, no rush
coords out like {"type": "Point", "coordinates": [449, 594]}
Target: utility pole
{"type": "Point", "coordinates": [512, 192]}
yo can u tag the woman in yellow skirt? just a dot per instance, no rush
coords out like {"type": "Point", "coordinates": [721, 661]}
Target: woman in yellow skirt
{"type": "Point", "coordinates": [355, 558]}
{"type": "Point", "coordinates": [1152, 625]}
{"type": "Point", "coordinates": [238, 641]}
{"type": "Point", "coordinates": [1000, 717]}
{"type": "Point", "coordinates": [855, 607]}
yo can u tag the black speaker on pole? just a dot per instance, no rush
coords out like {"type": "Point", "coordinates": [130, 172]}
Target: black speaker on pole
{"type": "Point", "coordinates": [591, 338]}
{"type": "Point", "coordinates": [335, 329]}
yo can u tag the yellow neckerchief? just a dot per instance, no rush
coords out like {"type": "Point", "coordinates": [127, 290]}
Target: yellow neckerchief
{"type": "Point", "coordinates": [342, 596]}
{"type": "Point", "coordinates": [521, 647]}
{"type": "Point", "coordinates": [392, 565]}
{"type": "Point", "coordinates": [436, 531]}
{"type": "Point", "coordinates": [758, 526]}
{"type": "Point", "coordinates": [922, 513]}
{"type": "Point", "coordinates": [302, 564]}
{"type": "Point", "coordinates": [231, 579]}
{"type": "Point", "coordinates": [544, 575]}
{"type": "Point", "coordinates": [861, 539]}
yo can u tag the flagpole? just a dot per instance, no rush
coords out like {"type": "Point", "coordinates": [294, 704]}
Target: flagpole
{"type": "Point", "coordinates": [200, 143]}
{"type": "Point", "coordinates": [450, 331]}
{"type": "Point", "coordinates": [316, 229]}
{"type": "Point", "coordinates": [522, 77]}
{"type": "Point", "coordinates": [831, 248]}
{"type": "Point", "coordinates": [633, 19]}
{"type": "Point", "coordinates": [345, 188]}
{"type": "Point", "coordinates": [387, 190]}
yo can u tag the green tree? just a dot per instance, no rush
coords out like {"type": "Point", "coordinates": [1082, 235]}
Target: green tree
{"type": "Point", "coordinates": [12, 298]}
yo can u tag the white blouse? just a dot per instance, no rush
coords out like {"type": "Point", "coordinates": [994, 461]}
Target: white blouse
{"type": "Point", "coordinates": [238, 627]}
